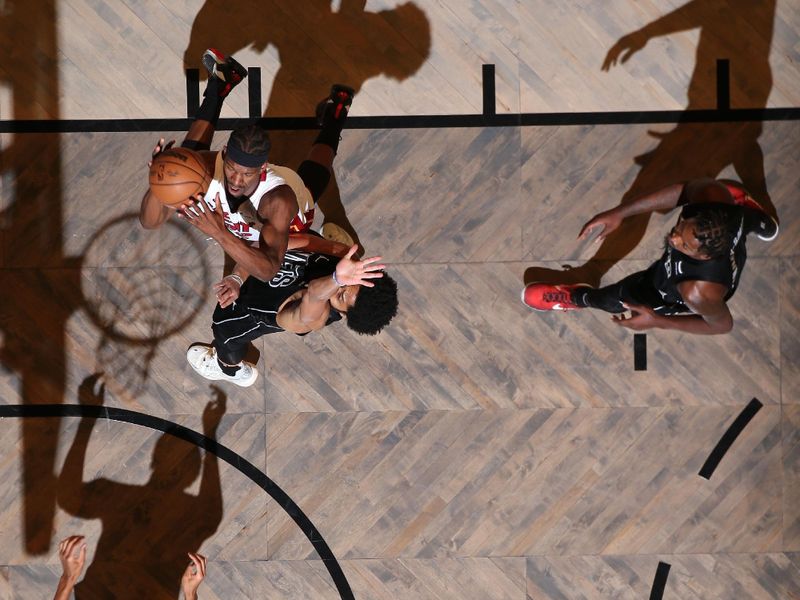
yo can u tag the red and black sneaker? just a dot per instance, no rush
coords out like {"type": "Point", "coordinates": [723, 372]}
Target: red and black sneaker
{"type": "Point", "coordinates": [547, 296]}
{"type": "Point", "coordinates": [224, 68]}
{"type": "Point", "coordinates": [757, 220]}
{"type": "Point", "coordinates": [336, 105]}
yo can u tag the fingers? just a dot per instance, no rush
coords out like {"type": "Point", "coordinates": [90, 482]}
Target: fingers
{"type": "Point", "coordinates": [374, 268]}
{"type": "Point", "coordinates": [161, 146]}
{"type": "Point", "coordinates": [370, 260]}
{"type": "Point", "coordinates": [67, 545]}
{"type": "Point", "coordinates": [371, 275]}
{"type": "Point", "coordinates": [628, 54]}
{"type": "Point", "coordinates": [225, 300]}
{"type": "Point", "coordinates": [199, 562]}
{"type": "Point", "coordinates": [191, 210]}
{"type": "Point", "coordinates": [635, 307]}
{"type": "Point", "coordinates": [74, 544]}
{"type": "Point", "coordinates": [226, 292]}
{"type": "Point", "coordinates": [589, 228]}
{"type": "Point", "coordinates": [352, 251]}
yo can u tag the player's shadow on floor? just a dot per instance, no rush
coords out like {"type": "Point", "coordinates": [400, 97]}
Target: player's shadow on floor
{"type": "Point", "coordinates": [316, 47]}
{"type": "Point", "coordinates": [694, 150]}
{"type": "Point", "coordinates": [147, 529]}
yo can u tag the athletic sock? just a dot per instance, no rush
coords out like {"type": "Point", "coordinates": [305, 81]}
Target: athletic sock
{"type": "Point", "coordinates": [230, 371]}
{"type": "Point", "coordinates": [211, 106]}
{"type": "Point", "coordinates": [578, 297]}
{"type": "Point", "coordinates": [331, 133]}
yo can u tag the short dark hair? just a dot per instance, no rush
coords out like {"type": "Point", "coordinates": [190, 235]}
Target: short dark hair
{"type": "Point", "coordinates": [251, 139]}
{"type": "Point", "coordinates": [374, 307]}
{"type": "Point", "coordinates": [716, 229]}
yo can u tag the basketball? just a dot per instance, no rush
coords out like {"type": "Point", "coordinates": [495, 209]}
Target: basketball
{"type": "Point", "coordinates": [177, 174]}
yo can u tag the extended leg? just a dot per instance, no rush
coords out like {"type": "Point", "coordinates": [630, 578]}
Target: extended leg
{"type": "Point", "coordinates": [224, 73]}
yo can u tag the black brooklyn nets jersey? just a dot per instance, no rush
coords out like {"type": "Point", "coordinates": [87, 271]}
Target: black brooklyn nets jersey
{"type": "Point", "coordinates": [674, 266]}
{"type": "Point", "coordinates": [263, 298]}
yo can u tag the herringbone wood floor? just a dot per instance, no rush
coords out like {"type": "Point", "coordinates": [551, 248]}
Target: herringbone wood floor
{"type": "Point", "coordinates": [474, 449]}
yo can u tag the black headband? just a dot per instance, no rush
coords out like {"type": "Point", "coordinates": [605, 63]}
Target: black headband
{"type": "Point", "coordinates": [240, 157]}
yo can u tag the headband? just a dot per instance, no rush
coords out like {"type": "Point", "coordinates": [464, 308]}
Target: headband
{"type": "Point", "coordinates": [240, 157]}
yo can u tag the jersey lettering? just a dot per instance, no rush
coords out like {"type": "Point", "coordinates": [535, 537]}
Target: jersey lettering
{"type": "Point", "coordinates": [290, 271]}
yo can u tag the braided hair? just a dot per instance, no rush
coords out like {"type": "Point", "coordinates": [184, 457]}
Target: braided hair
{"type": "Point", "coordinates": [716, 229]}
{"type": "Point", "coordinates": [250, 139]}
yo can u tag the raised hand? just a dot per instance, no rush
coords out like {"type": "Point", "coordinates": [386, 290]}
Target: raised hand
{"type": "Point", "coordinates": [89, 393]}
{"type": "Point", "coordinates": [72, 554]}
{"type": "Point", "coordinates": [629, 44]}
{"type": "Point", "coordinates": [227, 290]}
{"type": "Point", "coordinates": [214, 411]}
{"type": "Point", "coordinates": [358, 272]}
{"type": "Point", "coordinates": [197, 212]}
{"type": "Point", "coordinates": [193, 575]}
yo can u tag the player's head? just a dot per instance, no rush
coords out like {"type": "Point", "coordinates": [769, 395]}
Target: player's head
{"type": "Point", "coordinates": [245, 159]}
{"type": "Point", "coordinates": [407, 52]}
{"type": "Point", "coordinates": [368, 309]}
{"type": "Point", "coordinates": [175, 463]}
{"type": "Point", "coordinates": [707, 233]}
{"type": "Point", "coordinates": [716, 230]}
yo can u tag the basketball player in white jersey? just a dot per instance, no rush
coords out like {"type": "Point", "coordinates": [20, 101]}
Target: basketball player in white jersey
{"type": "Point", "coordinates": [252, 205]}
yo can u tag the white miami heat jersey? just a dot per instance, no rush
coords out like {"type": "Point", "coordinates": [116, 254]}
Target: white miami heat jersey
{"type": "Point", "coordinates": [274, 176]}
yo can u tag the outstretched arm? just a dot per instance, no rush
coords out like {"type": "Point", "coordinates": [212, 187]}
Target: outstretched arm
{"type": "Point", "coordinates": [71, 489]}
{"type": "Point", "coordinates": [227, 290]}
{"type": "Point", "coordinates": [311, 311]}
{"type": "Point", "coordinates": [210, 489]}
{"type": "Point", "coordinates": [313, 243]}
{"type": "Point", "coordinates": [688, 16]}
{"type": "Point", "coordinates": [608, 221]}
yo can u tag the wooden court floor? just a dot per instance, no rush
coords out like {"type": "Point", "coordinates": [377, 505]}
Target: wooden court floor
{"type": "Point", "coordinates": [474, 449]}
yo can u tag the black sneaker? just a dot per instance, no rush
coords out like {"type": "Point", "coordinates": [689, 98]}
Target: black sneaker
{"type": "Point", "coordinates": [225, 68]}
{"type": "Point", "coordinates": [336, 105]}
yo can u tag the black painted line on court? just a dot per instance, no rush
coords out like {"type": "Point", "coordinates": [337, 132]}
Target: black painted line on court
{"type": "Point", "coordinates": [192, 92]}
{"type": "Point", "coordinates": [735, 115]}
{"type": "Point", "coordinates": [254, 92]}
{"type": "Point", "coordinates": [209, 445]}
{"type": "Point", "coordinates": [639, 352]}
{"type": "Point", "coordinates": [723, 84]}
{"type": "Point", "coordinates": [660, 581]}
{"type": "Point", "coordinates": [489, 96]}
{"type": "Point", "coordinates": [729, 437]}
